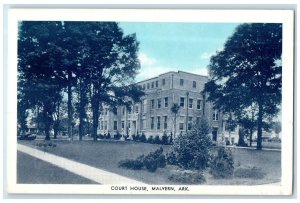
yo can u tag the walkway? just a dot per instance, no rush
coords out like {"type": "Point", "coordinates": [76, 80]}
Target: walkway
{"type": "Point", "coordinates": [86, 171]}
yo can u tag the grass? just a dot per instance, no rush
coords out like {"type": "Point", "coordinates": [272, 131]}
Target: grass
{"type": "Point", "coordinates": [34, 171]}
{"type": "Point", "coordinates": [107, 154]}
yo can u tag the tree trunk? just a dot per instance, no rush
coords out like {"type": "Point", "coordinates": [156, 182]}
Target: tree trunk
{"type": "Point", "coordinates": [70, 134]}
{"type": "Point", "coordinates": [259, 127]}
{"type": "Point", "coordinates": [55, 128]}
{"type": "Point", "coordinates": [95, 107]}
{"type": "Point", "coordinates": [81, 128]}
{"type": "Point", "coordinates": [251, 132]}
{"type": "Point", "coordinates": [47, 123]}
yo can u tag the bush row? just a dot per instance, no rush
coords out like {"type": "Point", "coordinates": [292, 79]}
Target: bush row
{"type": "Point", "coordinates": [165, 139]}
{"type": "Point", "coordinates": [151, 162]}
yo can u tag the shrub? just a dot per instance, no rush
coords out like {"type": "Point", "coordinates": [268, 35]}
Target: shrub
{"type": "Point", "coordinates": [136, 164]}
{"type": "Point", "coordinates": [150, 139]}
{"type": "Point", "coordinates": [171, 158]}
{"type": "Point", "coordinates": [222, 164]}
{"type": "Point", "coordinates": [151, 162]}
{"type": "Point", "coordinates": [249, 172]}
{"type": "Point", "coordinates": [156, 140]}
{"type": "Point", "coordinates": [117, 136]}
{"type": "Point", "coordinates": [143, 138]}
{"type": "Point", "coordinates": [164, 139]}
{"type": "Point", "coordinates": [192, 151]}
{"type": "Point", "coordinates": [108, 136]}
{"type": "Point", "coordinates": [187, 177]}
{"type": "Point", "coordinates": [100, 136]}
{"type": "Point", "coordinates": [154, 160]}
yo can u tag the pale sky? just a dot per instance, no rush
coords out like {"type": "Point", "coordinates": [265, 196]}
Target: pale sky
{"type": "Point", "coordinates": [177, 46]}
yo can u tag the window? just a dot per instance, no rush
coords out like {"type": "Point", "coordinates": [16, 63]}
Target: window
{"type": "Point", "coordinates": [152, 85]}
{"type": "Point", "coordinates": [158, 122]}
{"type": "Point", "coordinates": [144, 106]}
{"type": "Point", "coordinates": [158, 103]}
{"type": "Point", "coordinates": [165, 122]}
{"type": "Point", "coordinates": [144, 86]}
{"type": "Point", "coordinates": [181, 101]}
{"type": "Point", "coordinates": [199, 104]}
{"type": "Point", "coordinates": [148, 85]}
{"type": "Point", "coordinates": [215, 115]}
{"type": "Point", "coordinates": [190, 103]}
{"type": "Point", "coordinates": [123, 111]}
{"type": "Point", "coordinates": [123, 125]}
{"type": "Point", "coordinates": [152, 123]}
{"type": "Point", "coordinates": [166, 102]}
{"type": "Point", "coordinates": [190, 122]}
{"type": "Point", "coordinates": [115, 125]}
{"type": "Point", "coordinates": [181, 82]}
{"type": "Point", "coordinates": [156, 83]}
{"type": "Point", "coordinates": [163, 81]}
{"type": "Point", "coordinates": [105, 125]}
{"type": "Point", "coordinates": [181, 126]}
{"type": "Point", "coordinates": [152, 104]}
{"type": "Point", "coordinates": [194, 84]}
{"type": "Point", "coordinates": [144, 124]}
{"type": "Point", "coordinates": [101, 126]}
{"type": "Point", "coordinates": [136, 109]}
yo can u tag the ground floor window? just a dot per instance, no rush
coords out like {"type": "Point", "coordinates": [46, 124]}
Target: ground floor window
{"type": "Point", "coordinates": [181, 126]}
{"type": "Point", "coordinates": [152, 123]}
{"type": "Point", "coordinates": [190, 122]}
{"type": "Point", "coordinates": [123, 125]}
{"type": "Point", "coordinates": [158, 122]}
{"type": "Point", "coordinates": [165, 122]}
{"type": "Point", "coordinates": [115, 125]}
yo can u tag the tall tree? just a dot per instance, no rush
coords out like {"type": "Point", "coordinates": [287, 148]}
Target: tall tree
{"type": "Point", "coordinates": [110, 64]}
{"type": "Point", "coordinates": [38, 61]}
{"type": "Point", "coordinates": [248, 71]}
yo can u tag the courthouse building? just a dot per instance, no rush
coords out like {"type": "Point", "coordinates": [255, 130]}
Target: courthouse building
{"type": "Point", "coordinates": [153, 115]}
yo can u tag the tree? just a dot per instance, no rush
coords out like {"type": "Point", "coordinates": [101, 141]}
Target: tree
{"type": "Point", "coordinates": [174, 109]}
{"type": "Point", "coordinates": [109, 65]}
{"type": "Point", "coordinates": [192, 151]}
{"type": "Point", "coordinates": [248, 71]}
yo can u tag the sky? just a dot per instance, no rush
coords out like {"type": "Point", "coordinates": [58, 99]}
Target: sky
{"type": "Point", "coordinates": [177, 46]}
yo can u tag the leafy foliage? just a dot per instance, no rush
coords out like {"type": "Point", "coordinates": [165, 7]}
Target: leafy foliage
{"type": "Point", "coordinates": [151, 161]}
{"type": "Point", "coordinates": [192, 151]}
{"type": "Point", "coordinates": [222, 165]}
{"type": "Point", "coordinates": [248, 72]}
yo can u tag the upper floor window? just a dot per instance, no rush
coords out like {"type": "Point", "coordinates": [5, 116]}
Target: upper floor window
{"type": "Point", "coordinates": [144, 106]}
{"type": "Point", "coordinates": [165, 122]}
{"type": "Point", "coordinates": [181, 101]}
{"type": "Point", "coordinates": [215, 115]}
{"type": "Point", "coordinates": [152, 85]}
{"type": "Point", "coordinates": [144, 86]}
{"type": "Point", "coordinates": [194, 84]}
{"type": "Point", "coordinates": [166, 102]}
{"type": "Point", "coordinates": [163, 81]}
{"type": "Point", "coordinates": [156, 83]}
{"type": "Point", "coordinates": [181, 82]}
{"type": "Point", "coordinates": [136, 109]}
{"type": "Point", "coordinates": [158, 103]}
{"type": "Point", "coordinates": [199, 104]}
{"type": "Point", "coordinates": [152, 104]}
{"type": "Point", "coordinates": [190, 103]}
{"type": "Point", "coordinates": [148, 85]}
{"type": "Point", "coordinates": [152, 123]}
{"type": "Point", "coordinates": [158, 122]}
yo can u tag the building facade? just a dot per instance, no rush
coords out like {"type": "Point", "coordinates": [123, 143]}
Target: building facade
{"type": "Point", "coordinates": [153, 115]}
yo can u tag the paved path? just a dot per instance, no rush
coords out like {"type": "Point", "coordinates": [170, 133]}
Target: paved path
{"type": "Point", "coordinates": [89, 172]}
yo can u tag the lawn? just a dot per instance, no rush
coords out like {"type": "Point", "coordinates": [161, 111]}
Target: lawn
{"type": "Point", "coordinates": [107, 154]}
{"type": "Point", "coordinates": [34, 171]}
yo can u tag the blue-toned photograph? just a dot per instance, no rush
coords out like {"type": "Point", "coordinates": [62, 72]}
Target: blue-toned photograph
{"type": "Point", "coordinates": [149, 103]}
